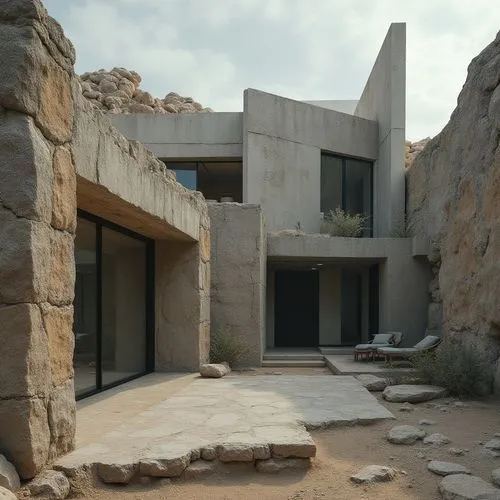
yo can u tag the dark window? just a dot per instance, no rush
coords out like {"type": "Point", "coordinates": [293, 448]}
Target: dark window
{"type": "Point", "coordinates": [346, 183]}
{"type": "Point", "coordinates": [114, 308]}
{"type": "Point", "coordinates": [217, 180]}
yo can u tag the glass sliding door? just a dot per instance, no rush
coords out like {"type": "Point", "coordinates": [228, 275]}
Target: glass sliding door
{"type": "Point", "coordinates": [85, 308]}
{"type": "Point", "coordinates": [114, 311]}
{"type": "Point", "coordinates": [123, 306]}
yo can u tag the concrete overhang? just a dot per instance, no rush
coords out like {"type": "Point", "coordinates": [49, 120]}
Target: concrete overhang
{"type": "Point", "coordinates": [324, 248]}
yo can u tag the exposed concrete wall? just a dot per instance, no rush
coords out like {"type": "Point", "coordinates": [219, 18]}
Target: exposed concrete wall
{"type": "Point", "coordinates": [404, 279]}
{"type": "Point", "coordinates": [53, 145]}
{"type": "Point", "coordinates": [342, 106]}
{"type": "Point", "coordinates": [384, 100]}
{"type": "Point", "coordinates": [238, 266]}
{"type": "Point", "coordinates": [193, 136]}
{"type": "Point", "coordinates": [282, 144]}
{"type": "Point", "coordinates": [182, 324]}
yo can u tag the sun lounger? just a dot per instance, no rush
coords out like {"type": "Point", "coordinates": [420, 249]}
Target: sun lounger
{"type": "Point", "coordinates": [367, 351]}
{"type": "Point", "coordinates": [427, 343]}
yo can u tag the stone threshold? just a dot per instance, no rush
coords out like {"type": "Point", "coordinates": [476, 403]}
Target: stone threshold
{"type": "Point", "coordinates": [194, 464]}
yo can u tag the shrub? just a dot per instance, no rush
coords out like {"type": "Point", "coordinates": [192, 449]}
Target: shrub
{"type": "Point", "coordinates": [461, 368]}
{"type": "Point", "coordinates": [225, 347]}
{"type": "Point", "coordinates": [340, 223]}
{"type": "Point", "coordinates": [403, 228]}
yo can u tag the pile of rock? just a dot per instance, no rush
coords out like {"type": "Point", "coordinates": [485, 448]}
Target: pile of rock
{"type": "Point", "coordinates": [412, 149]}
{"type": "Point", "coordinates": [117, 91]}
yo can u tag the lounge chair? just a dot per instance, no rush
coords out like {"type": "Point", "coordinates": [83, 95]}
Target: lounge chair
{"type": "Point", "coordinates": [427, 343]}
{"type": "Point", "coordinates": [367, 351]}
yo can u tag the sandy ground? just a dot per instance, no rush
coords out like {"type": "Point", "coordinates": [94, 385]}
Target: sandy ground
{"type": "Point", "coordinates": [341, 453]}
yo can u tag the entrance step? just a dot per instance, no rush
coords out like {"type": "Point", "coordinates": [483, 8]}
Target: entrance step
{"type": "Point", "coordinates": [327, 351]}
{"type": "Point", "coordinates": [293, 363]}
{"type": "Point", "coordinates": [282, 356]}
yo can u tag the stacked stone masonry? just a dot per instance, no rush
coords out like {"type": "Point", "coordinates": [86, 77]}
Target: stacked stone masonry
{"type": "Point", "coordinates": [37, 227]}
{"type": "Point", "coordinates": [117, 91]}
{"type": "Point", "coordinates": [56, 147]}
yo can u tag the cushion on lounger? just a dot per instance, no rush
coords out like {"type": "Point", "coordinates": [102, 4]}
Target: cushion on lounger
{"type": "Point", "coordinates": [427, 342]}
{"type": "Point", "coordinates": [383, 338]}
{"type": "Point", "coordinates": [370, 347]}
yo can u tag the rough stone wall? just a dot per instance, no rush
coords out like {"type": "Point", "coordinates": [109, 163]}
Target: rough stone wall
{"type": "Point", "coordinates": [56, 151]}
{"type": "Point", "coordinates": [454, 195]}
{"type": "Point", "coordinates": [37, 226]}
{"type": "Point", "coordinates": [238, 285]}
{"type": "Point", "coordinates": [412, 149]}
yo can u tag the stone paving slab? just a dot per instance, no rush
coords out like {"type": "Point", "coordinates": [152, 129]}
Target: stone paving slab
{"type": "Point", "coordinates": [246, 417]}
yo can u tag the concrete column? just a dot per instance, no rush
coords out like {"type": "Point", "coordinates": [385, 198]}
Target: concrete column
{"type": "Point", "coordinates": [183, 303]}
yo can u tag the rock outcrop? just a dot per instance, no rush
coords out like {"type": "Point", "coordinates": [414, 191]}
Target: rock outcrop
{"type": "Point", "coordinates": [412, 149]}
{"type": "Point", "coordinates": [117, 91]}
{"type": "Point", "coordinates": [454, 199]}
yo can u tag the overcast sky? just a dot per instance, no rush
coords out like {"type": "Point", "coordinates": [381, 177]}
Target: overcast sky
{"type": "Point", "coordinates": [303, 49]}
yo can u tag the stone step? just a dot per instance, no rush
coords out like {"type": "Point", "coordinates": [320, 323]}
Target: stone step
{"type": "Point", "coordinates": [293, 363]}
{"type": "Point", "coordinates": [336, 350]}
{"type": "Point", "coordinates": [297, 357]}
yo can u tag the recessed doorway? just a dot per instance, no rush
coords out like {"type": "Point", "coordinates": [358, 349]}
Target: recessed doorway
{"type": "Point", "coordinates": [296, 308]}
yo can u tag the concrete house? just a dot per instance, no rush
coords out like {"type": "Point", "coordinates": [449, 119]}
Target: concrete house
{"type": "Point", "coordinates": [286, 164]}
{"type": "Point", "coordinates": [110, 269]}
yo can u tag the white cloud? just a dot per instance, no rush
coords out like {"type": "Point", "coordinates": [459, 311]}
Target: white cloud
{"type": "Point", "coordinates": [324, 49]}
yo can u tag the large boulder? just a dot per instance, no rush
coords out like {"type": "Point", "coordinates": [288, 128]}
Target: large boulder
{"type": "Point", "coordinates": [412, 393]}
{"type": "Point", "coordinates": [453, 199]}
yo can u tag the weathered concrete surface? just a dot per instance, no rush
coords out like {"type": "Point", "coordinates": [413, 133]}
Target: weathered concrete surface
{"type": "Point", "coordinates": [238, 275]}
{"type": "Point", "coordinates": [229, 419]}
{"type": "Point", "coordinates": [403, 307]}
{"type": "Point", "coordinates": [383, 100]}
{"type": "Point", "coordinates": [454, 192]}
{"type": "Point", "coordinates": [282, 144]}
{"type": "Point", "coordinates": [210, 135]}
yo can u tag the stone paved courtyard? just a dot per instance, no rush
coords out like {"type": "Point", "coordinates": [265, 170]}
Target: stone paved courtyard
{"type": "Point", "coordinates": [237, 418]}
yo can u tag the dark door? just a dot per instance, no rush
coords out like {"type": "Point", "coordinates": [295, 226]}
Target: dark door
{"type": "Point", "coordinates": [351, 307]}
{"type": "Point", "coordinates": [296, 309]}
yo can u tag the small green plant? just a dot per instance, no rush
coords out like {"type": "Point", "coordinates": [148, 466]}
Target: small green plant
{"type": "Point", "coordinates": [403, 227]}
{"type": "Point", "coordinates": [460, 367]}
{"type": "Point", "coordinates": [341, 223]}
{"type": "Point", "coordinates": [225, 347]}
{"type": "Point", "coordinates": [298, 227]}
